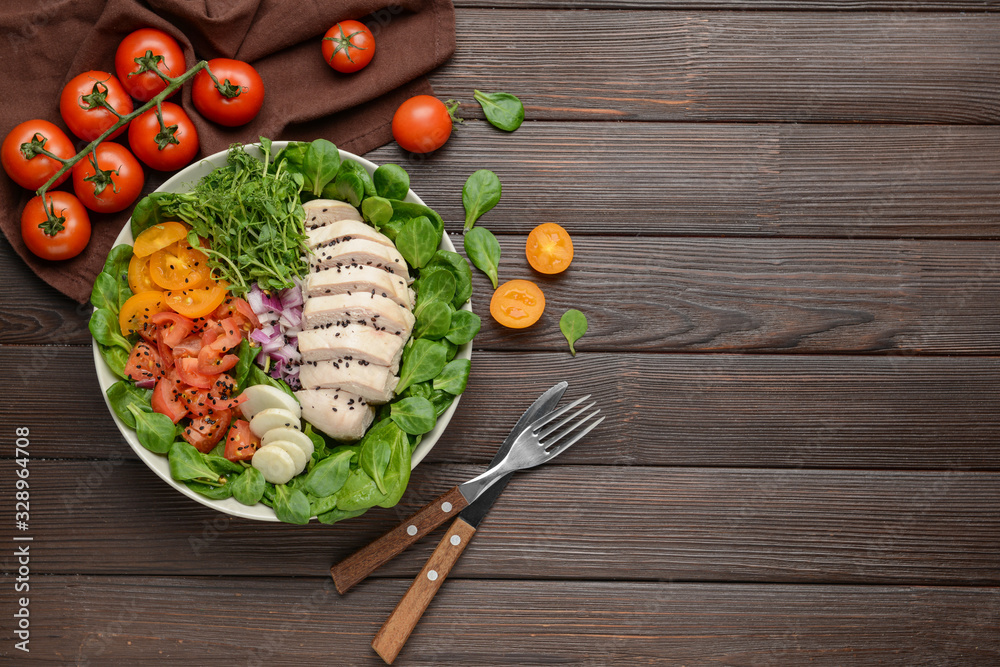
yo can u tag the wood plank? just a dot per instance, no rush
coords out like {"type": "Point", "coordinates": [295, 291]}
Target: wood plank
{"type": "Point", "coordinates": [556, 522]}
{"type": "Point", "coordinates": [735, 295]}
{"type": "Point", "coordinates": [733, 66]}
{"type": "Point", "coordinates": [124, 620]}
{"type": "Point", "coordinates": [679, 409]}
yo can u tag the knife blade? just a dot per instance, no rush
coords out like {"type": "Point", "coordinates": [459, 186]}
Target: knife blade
{"type": "Point", "coordinates": [363, 562]}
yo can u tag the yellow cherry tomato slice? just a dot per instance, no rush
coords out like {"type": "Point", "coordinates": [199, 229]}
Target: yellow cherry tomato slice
{"type": "Point", "coordinates": [179, 266]}
{"type": "Point", "coordinates": [139, 279]}
{"type": "Point", "coordinates": [138, 309]}
{"type": "Point", "coordinates": [549, 248]}
{"type": "Point", "coordinates": [198, 301]}
{"type": "Point", "coordinates": [517, 304]}
{"type": "Point", "coordinates": [158, 236]}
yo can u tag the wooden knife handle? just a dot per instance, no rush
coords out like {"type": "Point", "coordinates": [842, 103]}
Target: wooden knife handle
{"type": "Point", "coordinates": [397, 628]}
{"type": "Point", "coordinates": [363, 562]}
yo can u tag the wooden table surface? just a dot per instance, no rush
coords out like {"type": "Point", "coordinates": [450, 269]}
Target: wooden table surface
{"type": "Point", "coordinates": [786, 222]}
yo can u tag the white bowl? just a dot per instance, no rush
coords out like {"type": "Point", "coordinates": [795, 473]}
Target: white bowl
{"type": "Point", "coordinates": [183, 181]}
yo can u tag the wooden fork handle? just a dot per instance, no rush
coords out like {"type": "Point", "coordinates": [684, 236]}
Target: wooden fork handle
{"type": "Point", "coordinates": [363, 562]}
{"type": "Point", "coordinates": [397, 628]}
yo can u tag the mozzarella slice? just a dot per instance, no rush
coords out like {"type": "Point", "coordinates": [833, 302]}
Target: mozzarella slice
{"type": "Point", "coordinates": [274, 463]}
{"type": "Point", "coordinates": [262, 397]}
{"type": "Point", "coordinates": [298, 456]}
{"type": "Point", "coordinates": [270, 418]}
{"type": "Point", "coordinates": [289, 434]}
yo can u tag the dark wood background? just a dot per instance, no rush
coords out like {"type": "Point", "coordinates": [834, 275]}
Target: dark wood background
{"type": "Point", "coordinates": [786, 223]}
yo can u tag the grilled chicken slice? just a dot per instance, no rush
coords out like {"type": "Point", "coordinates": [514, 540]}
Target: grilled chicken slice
{"type": "Point", "coordinates": [339, 414]}
{"type": "Point", "coordinates": [356, 341]}
{"type": "Point", "coordinates": [320, 212]}
{"type": "Point", "coordinates": [370, 382]}
{"type": "Point", "coordinates": [345, 230]}
{"type": "Point", "coordinates": [364, 308]}
{"type": "Point", "coordinates": [359, 278]}
{"type": "Point", "coordinates": [360, 252]}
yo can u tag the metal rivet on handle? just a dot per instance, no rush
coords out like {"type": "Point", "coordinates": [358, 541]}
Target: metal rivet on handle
{"type": "Point", "coordinates": [411, 530]}
{"type": "Point", "coordinates": [432, 575]}
{"type": "Point", "coordinates": [446, 507]}
{"type": "Point", "coordinates": [456, 540]}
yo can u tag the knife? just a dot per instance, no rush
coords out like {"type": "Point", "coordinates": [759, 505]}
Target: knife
{"type": "Point", "coordinates": [363, 562]}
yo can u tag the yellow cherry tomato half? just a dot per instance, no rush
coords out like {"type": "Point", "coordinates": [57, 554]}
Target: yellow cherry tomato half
{"type": "Point", "coordinates": [138, 309]}
{"type": "Point", "coordinates": [158, 236]}
{"type": "Point", "coordinates": [517, 304]}
{"type": "Point", "coordinates": [549, 248]}
{"type": "Point", "coordinates": [198, 301]}
{"type": "Point", "coordinates": [179, 266]}
{"type": "Point", "coordinates": [139, 279]}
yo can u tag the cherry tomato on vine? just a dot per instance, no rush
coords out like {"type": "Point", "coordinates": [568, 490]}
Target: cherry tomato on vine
{"type": "Point", "coordinates": [167, 150]}
{"type": "Point", "coordinates": [65, 243]}
{"type": "Point", "coordinates": [118, 184]}
{"type": "Point", "coordinates": [165, 55]}
{"type": "Point", "coordinates": [240, 99]}
{"type": "Point", "coordinates": [348, 46]}
{"type": "Point", "coordinates": [517, 304]}
{"type": "Point", "coordinates": [422, 124]}
{"type": "Point", "coordinates": [84, 104]}
{"type": "Point", "coordinates": [549, 248]}
{"type": "Point", "coordinates": [22, 160]}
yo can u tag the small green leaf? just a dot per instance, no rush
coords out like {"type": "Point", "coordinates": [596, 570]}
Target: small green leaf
{"type": "Point", "coordinates": [573, 325]}
{"type": "Point", "coordinates": [423, 361]}
{"type": "Point", "coordinates": [291, 505]}
{"type": "Point", "coordinates": [123, 395]}
{"type": "Point", "coordinates": [465, 324]}
{"type": "Point", "coordinates": [391, 181]}
{"type": "Point", "coordinates": [155, 431]}
{"type": "Point", "coordinates": [434, 320]}
{"type": "Point", "coordinates": [188, 464]}
{"type": "Point", "coordinates": [248, 488]}
{"type": "Point", "coordinates": [320, 165]}
{"type": "Point", "coordinates": [417, 241]}
{"type": "Point", "coordinates": [503, 110]}
{"type": "Point", "coordinates": [480, 194]}
{"type": "Point", "coordinates": [328, 476]}
{"type": "Point", "coordinates": [483, 250]}
{"type": "Point", "coordinates": [453, 377]}
{"type": "Point", "coordinates": [414, 415]}
{"type": "Point", "coordinates": [376, 210]}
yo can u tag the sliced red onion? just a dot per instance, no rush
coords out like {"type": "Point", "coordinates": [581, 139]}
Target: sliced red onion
{"type": "Point", "coordinates": [145, 384]}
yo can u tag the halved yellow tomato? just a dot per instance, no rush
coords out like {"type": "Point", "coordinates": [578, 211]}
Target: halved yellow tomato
{"type": "Point", "coordinates": [158, 236]}
{"type": "Point", "coordinates": [139, 279]}
{"type": "Point", "coordinates": [138, 309]}
{"type": "Point", "coordinates": [179, 266]}
{"type": "Point", "coordinates": [198, 301]}
{"type": "Point", "coordinates": [517, 304]}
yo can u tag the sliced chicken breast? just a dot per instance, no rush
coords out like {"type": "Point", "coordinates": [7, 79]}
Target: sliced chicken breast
{"type": "Point", "coordinates": [320, 212]}
{"type": "Point", "coordinates": [339, 414]}
{"type": "Point", "coordinates": [359, 278]}
{"type": "Point", "coordinates": [364, 308]}
{"type": "Point", "coordinates": [360, 252]}
{"type": "Point", "coordinates": [354, 342]}
{"type": "Point", "coordinates": [372, 383]}
{"type": "Point", "coordinates": [345, 230]}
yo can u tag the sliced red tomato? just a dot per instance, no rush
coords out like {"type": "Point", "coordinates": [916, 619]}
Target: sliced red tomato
{"type": "Point", "coordinates": [144, 363]}
{"type": "Point", "coordinates": [172, 327]}
{"type": "Point", "coordinates": [166, 398]}
{"type": "Point", "coordinates": [211, 361]}
{"type": "Point", "coordinates": [241, 443]}
{"type": "Point", "coordinates": [222, 394]}
{"type": "Point", "coordinates": [189, 347]}
{"type": "Point", "coordinates": [187, 369]}
{"type": "Point", "coordinates": [206, 431]}
{"type": "Point", "coordinates": [240, 311]}
{"type": "Point", "coordinates": [195, 401]}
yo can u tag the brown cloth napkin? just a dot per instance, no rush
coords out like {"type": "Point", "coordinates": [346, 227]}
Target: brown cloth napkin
{"type": "Point", "coordinates": [44, 44]}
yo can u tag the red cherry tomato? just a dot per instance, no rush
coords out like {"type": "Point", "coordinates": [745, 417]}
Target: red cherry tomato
{"type": "Point", "coordinates": [178, 147]}
{"type": "Point", "coordinates": [118, 186]}
{"type": "Point", "coordinates": [81, 104]}
{"type": "Point", "coordinates": [348, 46]}
{"type": "Point", "coordinates": [66, 243]}
{"type": "Point", "coordinates": [166, 56]}
{"type": "Point", "coordinates": [21, 159]}
{"type": "Point", "coordinates": [421, 124]}
{"type": "Point", "coordinates": [243, 94]}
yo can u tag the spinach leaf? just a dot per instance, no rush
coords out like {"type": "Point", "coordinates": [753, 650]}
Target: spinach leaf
{"type": "Point", "coordinates": [376, 210]}
{"type": "Point", "coordinates": [423, 361]}
{"type": "Point", "coordinates": [149, 212]}
{"type": "Point", "coordinates": [118, 259]}
{"type": "Point", "coordinates": [359, 492]}
{"type": "Point", "coordinates": [188, 464]}
{"type": "Point", "coordinates": [115, 357]}
{"type": "Point", "coordinates": [209, 491]}
{"type": "Point", "coordinates": [460, 269]}
{"type": "Point", "coordinates": [320, 165]}
{"type": "Point", "coordinates": [453, 377]}
{"type": "Point", "coordinates": [241, 371]}
{"type": "Point", "coordinates": [291, 505]}
{"type": "Point", "coordinates": [503, 110]}
{"type": "Point", "coordinates": [258, 376]}
{"type": "Point", "coordinates": [328, 476]}
{"type": "Point", "coordinates": [221, 464]}
{"type": "Point", "coordinates": [248, 488]}
{"type": "Point", "coordinates": [414, 415]}
{"type": "Point", "coordinates": [573, 325]}
{"type": "Point", "coordinates": [417, 241]}
{"type": "Point", "coordinates": [346, 187]}
{"type": "Point", "coordinates": [105, 292]}
{"type": "Point", "coordinates": [335, 515]}
{"type": "Point", "coordinates": [155, 431]}
{"type": "Point", "coordinates": [422, 389]}
{"type": "Point", "coordinates": [480, 194]}
{"type": "Point", "coordinates": [122, 395]}
{"type": "Point", "coordinates": [105, 329]}
{"type": "Point", "coordinates": [465, 324]}
{"type": "Point", "coordinates": [392, 227]}
{"type": "Point", "coordinates": [435, 284]}
{"type": "Point", "coordinates": [376, 449]}
{"type": "Point", "coordinates": [434, 320]}
{"type": "Point", "coordinates": [292, 157]}
{"type": "Point", "coordinates": [404, 210]}
{"type": "Point", "coordinates": [441, 401]}
{"type": "Point", "coordinates": [391, 181]}
{"type": "Point", "coordinates": [450, 348]}
{"type": "Point", "coordinates": [358, 169]}
{"type": "Point", "coordinates": [397, 473]}
{"type": "Point", "coordinates": [484, 251]}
